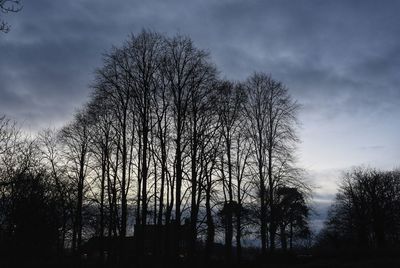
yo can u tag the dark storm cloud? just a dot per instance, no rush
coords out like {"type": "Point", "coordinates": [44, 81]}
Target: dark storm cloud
{"type": "Point", "coordinates": [343, 54]}
{"type": "Point", "coordinates": [335, 56]}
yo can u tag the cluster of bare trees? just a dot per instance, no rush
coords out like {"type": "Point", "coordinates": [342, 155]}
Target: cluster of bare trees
{"type": "Point", "coordinates": [34, 206]}
{"type": "Point", "coordinates": [366, 211]}
{"type": "Point", "coordinates": [164, 141]}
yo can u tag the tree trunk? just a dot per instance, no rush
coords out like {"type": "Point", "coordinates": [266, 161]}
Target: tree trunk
{"type": "Point", "coordinates": [210, 226]}
{"type": "Point", "coordinates": [193, 210]}
{"type": "Point", "coordinates": [178, 187]}
{"type": "Point", "coordinates": [283, 238]}
{"type": "Point", "coordinates": [102, 194]}
{"type": "Point", "coordinates": [229, 216]}
{"type": "Point", "coordinates": [272, 228]}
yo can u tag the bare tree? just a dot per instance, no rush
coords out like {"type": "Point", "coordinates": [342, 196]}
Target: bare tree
{"type": "Point", "coordinates": [52, 159]}
{"type": "Point", "coordinates": [75, 139]}
{"type": "Point", "coordinates": [243, 185]}
{"type": "Point", "coordinates": [231, 102]}
{"type": "Point", "coordinates": [30, 217]}
{"type": "Point", "coordinates": [186, 69]}
{"type": "Point", "coordinates": [210, 164]}
{"type": "Point", "coordinates": [202, 127]}
{"type": "Point", "coordinates": [144, 52]}
{"type": "Point", "coordinates": [117, 83]}
{"type": "Point", "coordinates": [161, 134]}
{"type": "Point", "coordinates": [8, 6]}
{"type": "Point", "coordinates": [271, 114]}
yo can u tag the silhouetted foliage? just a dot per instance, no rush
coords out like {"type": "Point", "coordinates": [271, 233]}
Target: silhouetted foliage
{"type": "Point", "coordinates": [366, 211]}
{"type": "Point", "coordinates": [33, 216]}
{"type": "Point", "coordinates": [292, 216]}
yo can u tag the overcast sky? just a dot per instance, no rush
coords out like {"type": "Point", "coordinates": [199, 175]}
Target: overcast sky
{"type": "Point", "coordinates": [340, 60]}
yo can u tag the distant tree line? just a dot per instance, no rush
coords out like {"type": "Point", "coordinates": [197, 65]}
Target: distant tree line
{"type": "Point", "coordinates": [162, 141]}
{"type": "Point", "coordinates": [366, 212]}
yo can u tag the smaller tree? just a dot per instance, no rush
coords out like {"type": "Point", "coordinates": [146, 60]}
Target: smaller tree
{"type": "Point", "coordinates": [35, 216]}
{"type": "Point", "coordinates": [292, 215]}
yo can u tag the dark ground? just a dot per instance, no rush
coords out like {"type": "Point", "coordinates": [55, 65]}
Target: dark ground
{"type": "Point", "coordinates": [323, 260]}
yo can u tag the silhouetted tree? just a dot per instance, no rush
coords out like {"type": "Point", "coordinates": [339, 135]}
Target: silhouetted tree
{"type": "Point", "coordinates": [186, 71]}
{"type": "Point", "coordinates": [243, 186]}
{"type": "Point", "coordinates": [116, 83]}
{"type": "Point", "coordinates": [31, 209]}
{"type": "Point", "coordinates": [292, 215]}
{"type": "Point", "coordinates": [230, 107]}
{"type": "Point", "coordinates": [52, 161]}
{"type": "Point", "coordinates": [271, 114]}
{"type": "Point", "coordinates": [75, 139]}
{"type": "Point", "coordinates": [202, 126]}
{"type": "Point", "coordinates": [8, 6]}
{"type": "Point", "coordinates": [365, 212]}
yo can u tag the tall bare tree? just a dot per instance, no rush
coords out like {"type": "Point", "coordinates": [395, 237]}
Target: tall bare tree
{"type": "Point", "coordinates": [117, 84]}
{"type": "Point", "coordinates": [186, 68]}
{"type": "Point", "coordinates": [271, 114]}
{"type": "Point", "coordinates": [231, 103]}
{"type": "Point", "coordinates": [75, 138]}
{"type": "Point", "coordinates": [51, 155]}
{"type": "Point", "coordinates": [202, 126]}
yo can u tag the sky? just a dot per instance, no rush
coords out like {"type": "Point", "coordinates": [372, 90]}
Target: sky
{"type": "Point", "coordinates": [339, 59]}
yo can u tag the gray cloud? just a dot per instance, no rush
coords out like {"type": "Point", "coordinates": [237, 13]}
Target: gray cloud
{"type": "Point", "coordinates": [340, 59]}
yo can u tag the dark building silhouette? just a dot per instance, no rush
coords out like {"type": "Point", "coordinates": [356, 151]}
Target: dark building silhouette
{"type": "Point", "coordinates": [160, 239]}
{"type": "Point", "coordinates": [150, 240]}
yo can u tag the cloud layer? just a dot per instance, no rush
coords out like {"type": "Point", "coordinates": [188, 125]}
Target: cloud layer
{"type": "Point", "coordinates": [340, 59]}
